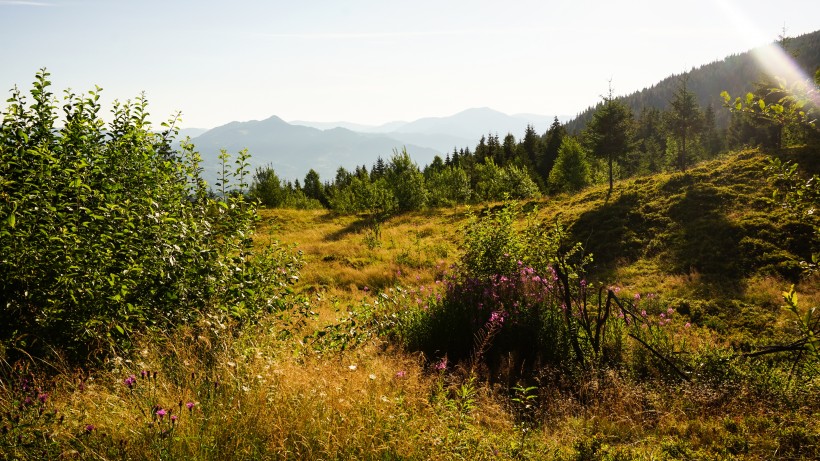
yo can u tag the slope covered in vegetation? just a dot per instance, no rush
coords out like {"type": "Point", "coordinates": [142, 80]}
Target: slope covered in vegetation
{"type": "Point", "coordinates": [336, 374]}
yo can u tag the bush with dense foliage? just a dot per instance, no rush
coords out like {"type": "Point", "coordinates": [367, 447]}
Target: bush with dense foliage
{"type": "Point", "coordinates": [108, 230]}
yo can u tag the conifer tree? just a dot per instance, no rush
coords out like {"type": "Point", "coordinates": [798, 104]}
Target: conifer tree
{"type": "Point", "coordinates": [685, 122]}
{"type": "Point", "coordinates": [609, 134]}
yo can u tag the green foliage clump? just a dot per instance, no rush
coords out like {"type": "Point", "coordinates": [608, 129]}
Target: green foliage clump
{"type": "Point", "coordinates": [518, 300]}
{"type": "Point", "coordinates": [106, 231]}
{"type": "Point", "coordinates": [571, 170]}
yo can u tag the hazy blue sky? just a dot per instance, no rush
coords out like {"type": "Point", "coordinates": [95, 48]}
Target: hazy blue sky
{"type": "Point", "coordinates": [373, 61]}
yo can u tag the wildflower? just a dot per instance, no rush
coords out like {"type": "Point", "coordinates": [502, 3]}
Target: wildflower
{"type": "Point", "coordinates": [497, 317]}
{"type": "Point", "coordinates": [583, 283]}
{"type": "Point", "coordinates": [670, 311]}
{"type": "Point", "coordinates": [372, 377]}
{"type": "Point", "coordinates": [129, 381]}
{"type": "Point", "coordinates": [401, 374]}
{"type": "Point", "coordinates": [442, 365]}
{"type": "Point", "coordinates": [637, 297]}
{"type": "Point", "coordinates": [366, 289]}
{"type": "Point", "coordinates": [643, 313]}
{"type": "Point", "coordinates": [174, 419]}
{"type": "Point", "coordinates": [43, 397]}
{"type": "Point", "coordinates": [161, 413]}
{"type": "Point", "coordinates": [190, 405]}
{"type": "Point", "coordinates": [352, 367]}
{"type": "Point", "coordinates": [688, 325]}
{"type": "Point", "coordinates": [144, 374]}
{"type": "Point", "coordinates": [90, 428]}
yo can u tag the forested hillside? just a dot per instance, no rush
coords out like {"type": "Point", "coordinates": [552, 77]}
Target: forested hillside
{"type": "Point", "coordinates": [736, 74]}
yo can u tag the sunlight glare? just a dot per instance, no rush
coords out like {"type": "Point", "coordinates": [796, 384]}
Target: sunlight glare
{"type": "Point", "coordinates": [775, 62]}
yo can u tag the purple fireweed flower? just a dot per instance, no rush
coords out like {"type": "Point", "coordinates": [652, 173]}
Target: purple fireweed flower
{"type": "Point", "coordinates": [643, 313]}
{"type": "Point", "coordinates": [161, 413]}
{"type": "Point", "coordinates": [144, 374]}
{"type": "Point", "coordinates": [497, 317]}
{"type": "Point", "coordinates": [43, 397]}
{"type": "Point", "coordinates": [583, 283]}
{"type": "Point", "coordinates": [401, 374]}
{"type": "Point", "coordinates": [174, 419]}
{"type": "Point", "coordinates": [670, 311]}
{"type": "Point", "coordinates": [442, 365]}
{"type": "Point", "coordinates": [129, 381]}
{"type": "Point", "coordinates": [688, 325]}
{"type": "Point", "coordinates": [190, 405]}
{"type": "Point", "coordinates": [637, 297]}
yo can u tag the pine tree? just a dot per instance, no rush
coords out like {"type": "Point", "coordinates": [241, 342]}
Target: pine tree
{"type": "Point", "coordinates": [571, 170]}
{"type": "Point", "coordinates": [552, 143]}
{"type": "Point", "coordinates": [684, 121]}
{"type": "Point", "coordinates": [609, 134]}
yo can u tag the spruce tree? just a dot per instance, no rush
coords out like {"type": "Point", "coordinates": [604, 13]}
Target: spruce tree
{"type": "Point", "coordinates": [609, 134]}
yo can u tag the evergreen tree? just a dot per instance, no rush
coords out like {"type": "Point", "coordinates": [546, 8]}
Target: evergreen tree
{"type": "Point", "coordinates": [608, 135]}
{"type": "Point", "coordinates": [685, 122]}
{"type": "Point", "coordinates": [552, 143]}
{"type": "Point", "coordinates": [313, 186]}
{"type": "Point", "coordinates": [507, 153]}
{"type": "Point", "coordinates": [712, 137]}
{"type": "Point", "coordinates": [650, 141]}
{"type": "Point", "coordinates": [267, 188]}
{"type": "Point", "coordinates": [571, 170]}
{"type": "Point", "coordinates": [530, 145]}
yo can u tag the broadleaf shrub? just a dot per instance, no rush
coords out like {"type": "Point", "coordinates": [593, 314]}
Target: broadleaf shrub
{"type": "Point", "coordinates": [106, 231]}
{"type": "Point", "coordinates": [518, 295]}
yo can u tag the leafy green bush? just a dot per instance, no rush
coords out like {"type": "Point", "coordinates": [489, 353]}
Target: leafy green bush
{"type": "Point", "coordinates": [108, 230]}
{"type": "Point", "coordinates": [518, 295]}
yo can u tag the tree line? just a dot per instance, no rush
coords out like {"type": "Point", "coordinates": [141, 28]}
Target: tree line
{"type": "Point", "coordinates": [616, 144]}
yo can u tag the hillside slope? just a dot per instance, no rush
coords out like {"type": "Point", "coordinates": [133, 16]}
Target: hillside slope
{"type": "Point", "coordinates": [735, 74]}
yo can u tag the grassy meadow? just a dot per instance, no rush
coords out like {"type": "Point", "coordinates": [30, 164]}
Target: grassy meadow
{"type": "Point", "coordinates": [331, 377]}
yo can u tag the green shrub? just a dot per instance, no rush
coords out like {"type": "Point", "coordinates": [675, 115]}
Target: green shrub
{"type": "Point", "coordinates": [108, 230]}
{"type": "Point", "coordinates": [518, 296]}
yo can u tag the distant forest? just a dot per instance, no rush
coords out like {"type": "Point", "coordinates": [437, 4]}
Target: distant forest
{"type": "Point", "coordinates": [736, 74]}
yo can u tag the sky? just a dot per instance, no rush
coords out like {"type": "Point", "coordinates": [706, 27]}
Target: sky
{"type": "Point", "coordinates": [375, 61]}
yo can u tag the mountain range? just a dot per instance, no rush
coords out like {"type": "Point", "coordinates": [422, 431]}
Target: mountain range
{"type": "Point", "coordinates": [294, 148]}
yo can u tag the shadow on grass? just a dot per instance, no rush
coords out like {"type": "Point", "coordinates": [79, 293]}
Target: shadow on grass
{"type": "Point", "coordinates": [683, 222]}
{"type": "Point", "coordinates": [612, 231]}
{"type": "Point", "coordinates": [702, 240]}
